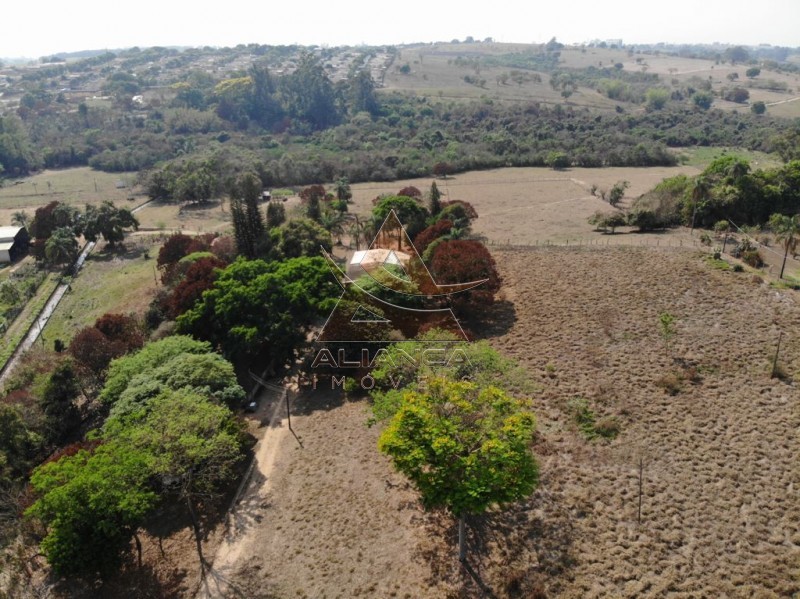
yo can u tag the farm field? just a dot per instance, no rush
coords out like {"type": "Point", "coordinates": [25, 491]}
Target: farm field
{"type": "Point", "coordinates": [210, 217]}
{"type": "Point", "coordinates": [74, 186]}
{"type": "Point", "coordinates": [530, 205]}
{"type": "Point", "coordinates": [718, 458]}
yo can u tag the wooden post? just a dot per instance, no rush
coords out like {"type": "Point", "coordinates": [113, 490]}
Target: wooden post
{"type": "Point", "coordinates": [288, 413]}
{"type": "Point", "coordinates": [724, 243]}
{"type": "Point", "coordinates": [641, 471]}
{"type": "Point", "coordinates": [462, 540]}
{"type": "Point", "coordinates": [777, 351]}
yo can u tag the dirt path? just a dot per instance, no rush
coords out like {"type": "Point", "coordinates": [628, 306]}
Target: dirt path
{"type": "Point", "coordinates": [239, 539]}
{"type": "Point", "coordinates": [329, 518]}
{"type": "Point", "coordinates": [783, 101]}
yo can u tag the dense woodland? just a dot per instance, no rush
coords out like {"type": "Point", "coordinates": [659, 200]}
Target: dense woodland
{"type": "Point", "coordinates": [301, 126]}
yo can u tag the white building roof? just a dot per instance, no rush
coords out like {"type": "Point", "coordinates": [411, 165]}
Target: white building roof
{"type": "Point", "coordinates": [9, 233]}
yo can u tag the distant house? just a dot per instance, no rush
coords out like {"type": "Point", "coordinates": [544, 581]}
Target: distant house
{"type": "Point", "coordinates": [13, 243]}
{"type": "Point", "coordinates": [364, 260]}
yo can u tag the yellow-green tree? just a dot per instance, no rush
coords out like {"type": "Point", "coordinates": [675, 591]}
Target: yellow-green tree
{"type": "Point", "coordinates": [464, 447]}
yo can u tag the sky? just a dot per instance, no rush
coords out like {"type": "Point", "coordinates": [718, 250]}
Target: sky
{"type": "Point", "coordinates": [34, 29]}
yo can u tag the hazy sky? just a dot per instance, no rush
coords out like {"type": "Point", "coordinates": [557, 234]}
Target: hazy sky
{"type": "Point", "coordinates": [36, 28]}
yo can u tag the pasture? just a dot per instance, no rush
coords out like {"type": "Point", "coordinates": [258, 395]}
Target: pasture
{"type": "Point", "coordinates": [118, 282]}
{"type": "Point", "coordinates": [718, 457]}
{"type": "Point", "coordinates": [438, 71]}
{"type": "Point", "coordinates": [528, 205]}
{"type": "Point", "coordinates": [75, 186]}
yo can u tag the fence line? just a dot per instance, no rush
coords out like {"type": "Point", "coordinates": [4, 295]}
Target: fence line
{"type": "Point", "coordinates": [598, 242]}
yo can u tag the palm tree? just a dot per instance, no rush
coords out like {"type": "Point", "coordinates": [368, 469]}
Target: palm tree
{"type": "Point", "coordinates": [787, 231]}
{"type": "Point", "coordinates": [333, 222]}
{"type": "Point", "coordinates": [20, 219]}
{"type": "Point", "coordinates": [701, 189]}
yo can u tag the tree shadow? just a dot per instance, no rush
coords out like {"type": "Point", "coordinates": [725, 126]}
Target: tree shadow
{"type": "Point", "coordinates": [199, 206]}
{"type": "Point", "coordinates": [147, 582]}
{"type": "Point", "coordinates": [511, 553]}
{"type": "Point", "coordinates": [323, 398]}
{"type": "Point", "coordinates": [498, 320]}
{"type": "Point", "coordinates": [120, 251]}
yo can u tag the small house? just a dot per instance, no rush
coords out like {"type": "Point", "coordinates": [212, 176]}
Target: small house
{"type": "Point", "coordinates": [13, 243]}
{"type": "Point", "coordinates": [365, 260]}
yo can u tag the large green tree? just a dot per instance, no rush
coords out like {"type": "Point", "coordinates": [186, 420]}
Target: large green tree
{"type": "Point", "coordinates": [465, 448]}
{"type": "Point", "coordinates": [109, 221]}
{"type": "Point", "coordinates": [309, 94]}
{"type": "Point", "coordinates": [61, 247]}
{"type": "Point", "coordinates": [92, 503]}
{"type": "Point", "coordinates": [262, 308]}
{"type": "Point", "coordinates": [193, 445]}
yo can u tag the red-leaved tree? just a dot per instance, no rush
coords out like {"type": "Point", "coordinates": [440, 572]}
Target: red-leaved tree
{"type": "Point", "coordinates": [93, 351]}
{"type": "Point", "coordinates": [411, 192]}
{"type": "Point", "coordinates": [121, 328]}
{"type": "Point", "coordinates": [199, 277]}
{"type": "Point", "coordinates": [174, 248]}
{"type": "Point", "coordinates": [463, 261]}
{"type": "Point", "coordinates": [431, 234]}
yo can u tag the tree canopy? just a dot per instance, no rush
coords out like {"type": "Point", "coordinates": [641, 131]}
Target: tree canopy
{"type": "Point", "coordinates": [256, 306]}
{"type": "Point", "coordinates": [465, 448]}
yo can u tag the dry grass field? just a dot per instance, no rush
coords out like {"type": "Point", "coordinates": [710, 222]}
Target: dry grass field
{"type": "Point", "coordinates": [530, 205]}
{"type": "Point", "coordinates": [720, 473]}
{"type": "Point", "coordinates": [74, 186]}
{"type": "Point", "coordinates": [433, 72]}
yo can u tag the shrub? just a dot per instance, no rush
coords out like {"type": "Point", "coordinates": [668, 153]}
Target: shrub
{"type": "Point", "coordinates": [672, 383]}
{"type": "Point", "coordinates": [753, 258]}
{"type": "Point", "coordinates": [722, 226]}
{"type": "Point", "coordinates": [557, 160]}
{"type": "Point", "coordinates": [591, 428]}
{"type": "Point", "coordinates": [705, 239]}
{"type": "Point", "coordinates": [738, 268]}
{"type": "Point", "coordinates": [737, 94]}
{"type": "Point", "coordinates": [644, 220]}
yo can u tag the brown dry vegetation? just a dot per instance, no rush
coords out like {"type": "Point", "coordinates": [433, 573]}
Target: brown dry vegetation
{"type": "Point", "coordinates": [74, 186]}
{"type": "Point", "coordinates": [719, 516]}
{"type": "Point", "coordinates": [526, 205]}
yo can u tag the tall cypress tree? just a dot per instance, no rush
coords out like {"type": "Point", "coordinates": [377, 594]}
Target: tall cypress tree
{"type": "Point", "coordinates": [248, 223]}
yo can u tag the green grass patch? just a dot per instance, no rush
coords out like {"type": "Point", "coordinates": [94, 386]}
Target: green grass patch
{"type": "Point", "coordinates": [19, 328]}
{"type": "Point", "coordinates": [588, 423]}
{"type": "Point", "coordinates": [717, 263]}
{"type": "Point", "coordinates": [282, 193]}
{"type": "Point", "coordinates": [786, 283]}
{"type": "Point", "coordinates": [108, 283]}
